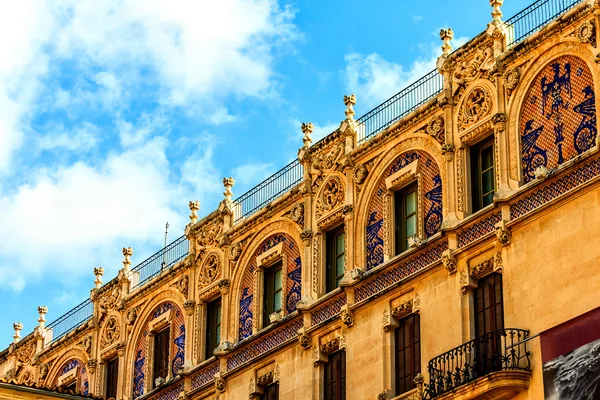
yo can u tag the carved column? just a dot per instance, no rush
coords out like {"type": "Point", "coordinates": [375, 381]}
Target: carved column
{"type": "Point", "coordinates": [349, 126]}
{"type": "Point", "coordinates": [308, 233]}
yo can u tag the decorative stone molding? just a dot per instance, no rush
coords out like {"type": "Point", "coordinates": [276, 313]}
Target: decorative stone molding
{"type": "Point", "coordinates": [92, 364]}
{"type": "Point", "coordinates": [346, 315]}
{"type": "Point", "coordinates": [18, 327]}
{"type": "Point", "coordinates": [586, 32]}
{"type": "Point", "coordinates": [359, 174]}
{"type": "Point", "coordinates": [220, 383]}
{"type": "Point", "coordinates": [330, 346]}
{"type": "Point", "coordinates": [466, 282]}
{"type": "Point", "coordinates": [304, 339]}
{"type": "Point", "coordinates": [390, 317]}
{"type": "Point", "coordinates": [402, 176]}
{"type": "Point", "coordinates": [131, 316]}
{"type": "Point", "coordinates": [448, 151]}
{"type": "Point", "coordinates": [460, 177]}
{"type": "Point", "coordinates": [332, 196]}
{"type": "Point", "coordinates": [349, 102]}
{"type": "Point", "coordinates": [388, 323]}
{"type": "Point", "coordinates": [481, 269]}
{"type": "Point", "coordinates": [182, 284]}
{"type": "Point", "coordinates": [224, 285]}
{"type": "Point", "coordinates": [383, 395]}
{"type": "Point", "coordinates": [110, 333]}
{"type": "Point", "coordinates": [403, 310]}
{"type": "Point", "coordinates": [449, 261]}
{"type": "Point", "coordinates": [356, 274]}
{"type": "Point", "coordinates": [98, 272]}
{"type": "Point", "coordinates": [25, 352]}
{"type": "Point", "coordinates": [306, 237]}
{"type": "Point", "coordinates": [477, 132]}
{"type": "Point", "coordinates": [86, 344]}
{"type": "Point", "coordinates": [502, 233]}
{"type": "Point", "coordinates": [189, 306]}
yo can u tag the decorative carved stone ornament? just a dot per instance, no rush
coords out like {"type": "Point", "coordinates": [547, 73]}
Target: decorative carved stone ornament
{"type": "Point", "coordinates": [435, 128]}
{"type": "Point", "coordinates": [228, 184]}
{"type": "Point", "coordinates": [297, 213]}
{"type": "Point", "coordinates": [182, 284]}
{"type": "Point", "coordinates": [111, 333]}
{"type": "Point", "coordinates": [481, 269]}
{"type": "Point", "coordinates": [586, 32]}
{"type": "Point", "coordinates": [92, 364]}
{"type": "Point", "coordinates": [98, 272]}
{"type": "Point", "coordinates": [446, 35]}
{"type": "Point", "coordinates": [448, 151]}
{"type": "Point", "coordinates": [511, 78]}
{"type": "Point", "coordinates": [303, 339]}
{"type": "Point", "coordinates": [496, 13]}
{"type": "Point", "coordinates": [86, 344]}
{"type": "Point", "coordinates": [449, 261]}
{"type": "Point", "coordinates": [331, 346]}
{"type": "Point", "coordinates": [42, 311]}
{"type": "Point", "coordinates": [331, 197]}
{"type": "Point", "coordinates": [17, 326]}
{"type": "Point", "coordinates": [359, 174]}
{"type": "Point", "coordinates": [224, 285]}
{"type": "Point", "coordinates": [502, 233]}
{"type": "Point", "coordinates": [306, 237]}
{"type": "Point", "coordinates": [194, 208]}
{"type": "Point", "coordinates": [346, 316]}
{"type": "Point", "coordinates": [307, 130]}
{"type": "Point", "coordinates": [403, 309]}
{"type": "Point", "coordinates": [477, 105]}
{"type": "Point", "coordinates": [349, 102]}
{"type": "Point", "coordinates": [131, 316]}
{"type": "Point", "coordinates": [220, 383]}
{"type": "Point", "coordinates": [127, 253]}
{"type": "Point", "coordinates": [235, 251]}
{"type": "Point", "coordinates": [210, 269]}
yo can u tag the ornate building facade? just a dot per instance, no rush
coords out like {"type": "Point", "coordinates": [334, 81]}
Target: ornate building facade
{"type": "Point", "coordinates": [446, 245]}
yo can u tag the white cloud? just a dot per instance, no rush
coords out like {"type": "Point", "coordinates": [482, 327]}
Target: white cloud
{"type": "Point", "coordinates": [77, 215]}
{"type": "Point", "coordinates": [81, 139]}
{"type": "Point", "coordinates": [374, 79]}
{"type": "Point", "coordinates": [417, 18]}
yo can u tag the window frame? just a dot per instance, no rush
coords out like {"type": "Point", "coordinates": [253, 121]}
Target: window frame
{"type": "Point", "coordinates": [332, 255]}
{"type": "Point", "coordinates": [476, 170]}
{"type": "Point", "coordinates": [269, 281]}
{"type": "Point", "coordinates": [400, 215]}
{"type": "Point", "coordinates": [166, 333]}
{"type": "Point", "coordinates": [335, 361]}
{"type": "Point", "coordinates": [412, 322]}
{"type": "Point", "coordinates": [494, 282]}
{"type": "Point", "coordinates": [214, 310]}
{"type": "Point", "coordinates": [270, 391]}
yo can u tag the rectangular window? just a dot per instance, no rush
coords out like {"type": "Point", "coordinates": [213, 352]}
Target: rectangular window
{"type": "Point", "coordinates": [335, 258]}
{"type": "Point", "coordinates": [271, 392]}
{"type": "Point", "coordinates": [335, 376]}
{"type": "Point", "coordinates": [406, 220]}
{"type": "Point", "coordinates": [161, 355]}
{"type": "Point", "coordinates": [482, 174]}
{"type": "Point", "coordinates": [489, 322]}
{"type": "Point", "coordinates": [112, 378]}
{"type": "Point", "coordinates": [408, 353]}
{"type": "Point", "coordinates": [273, 291]}
{"type": "Point", "coordinates": [213, 327]}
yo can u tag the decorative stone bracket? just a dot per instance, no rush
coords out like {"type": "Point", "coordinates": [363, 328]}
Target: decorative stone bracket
{"type": "Point", "coordinates": [449, 261]}
{"type": "Point", "coordinates": [347, 316]}
{"type": "Point", "coordinates": [258, 384]}
{"type": "Point", "coordinates": [220, 383]}
{"type": "Point", "coordinates": [303, 338]}
{"type": "Point", "coordinates": [392, 316]}
{"type": "Point", "coordinates": [321, 353]}
{"type": "Point", "coordinates": [503, 233]}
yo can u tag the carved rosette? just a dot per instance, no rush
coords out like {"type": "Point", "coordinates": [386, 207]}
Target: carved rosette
{"type": "Point", "coordinates": [332, 196]}
{"type": "Point", "coordinates": [435, 128]}
{"type": "Point", "coordinates": [586, 32]}
{"type": "Point", "coordinates": [210, 270]}
{"type": "Point", "coordinates": [297, 213]}
{"type": "Point", "coordinates": [511, 79]}
{"type": "Point", "coordinates": [359, 174]}
{"type": "Point", "coordinates": [235, 251]}
{"type": "Point", "coordinates": [477, 105]}
{"type": "Point", "coordinates": [111, 332]}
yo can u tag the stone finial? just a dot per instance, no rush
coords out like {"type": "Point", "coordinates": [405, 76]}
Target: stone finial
{"type": "Point", "coordinates": [446, 35]}
{"type": "Point", "coordinates": [98, 271]}
{"type": "Point", "coordinates": [496, 13]}
{"type": "Point", "coordinates": [127, 253]}
{"type": "Point", "coordinates": [17, 326]}
{"type": "Point", "coordinates": [307, 129]}
{"type": "Point", "coordinates": [194, 207]}
{"type": "Point", "coordinates": [42, 310]}
{"type": "Point", "coordinates": [228, 183]}
{"type": "Point", "coordinates": [349, 101]}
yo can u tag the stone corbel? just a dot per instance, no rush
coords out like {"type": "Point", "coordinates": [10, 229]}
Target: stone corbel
{"type": "Point", "coordinates": [503, 234]}
{"type": "Point", "coordinates": [224, 348]}
{"type": "Point", "coordinates": [449, 261]}
{"type": "Point", "coordinates": [189, 306]}
{"type": "Point", "coordinates": [347, 316]}
{"type": "Point", "coordinates": [466, 282]}
{"type": "Point", "coordinates": [389, 323]}
{"type": "Point", "coordinates": [220, 383]}
{"type": "Point", "coordinates": [448, 150]}
{"type": "Point", "coordinates": [92, 364]}
{"type": "Point", "coordinates": [306, 237]}
{"type": "Point", "coordinates": [304, 338]}
{"type": "Point", "coordinates": [224, 285]}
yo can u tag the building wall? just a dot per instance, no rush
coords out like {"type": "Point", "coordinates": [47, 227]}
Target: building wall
{"type": "Point", "coordinates": [542, 234]}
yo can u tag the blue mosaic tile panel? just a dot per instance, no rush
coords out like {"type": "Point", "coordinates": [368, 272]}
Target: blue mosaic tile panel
{"type": "Point", "coordinates": [205, 375]}
{"type": "Point", "coordinates": [478, 230]}
{"type": "Point", "coordinates": [328, 310]}
{"type": "Point", "coordinates": [554, 189]}
{"type": "Point", "coordinates": [558, 118]}
{"type": "Point", "coordinates": [259, 347]}
{"type": "Point", "coordinates": [385, 279]}
{"type": "Point", "coordinates": [84, 384]}
{"type": "Point", "coordinates": [430, 217]}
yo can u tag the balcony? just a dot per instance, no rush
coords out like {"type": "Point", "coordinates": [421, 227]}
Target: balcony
{"type": "Point", "coordinates": [495, 365]}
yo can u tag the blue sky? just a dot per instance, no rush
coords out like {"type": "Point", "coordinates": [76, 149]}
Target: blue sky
{"type": "Point", "coordinates": [116, 113]}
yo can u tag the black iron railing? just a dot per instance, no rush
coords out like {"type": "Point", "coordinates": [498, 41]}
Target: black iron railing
{"type": "Point", "coordinates": [160, 261]}
{"type": "Point", "coordinates": [399, 105]}
{"type": "Point", "coordinates": [504, 349]}
{"type": "Point", "coordinates": [536, 16]}
{"type": "Point", "coordinates": [71, 320]}
{"type": "Point", "coordinates": [268, 190]}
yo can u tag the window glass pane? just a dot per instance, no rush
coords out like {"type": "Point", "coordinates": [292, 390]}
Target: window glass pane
{"type": "Point", "coordinates": [411, 225]}
{"type": "Point", "coordinates": [411, 202]}
{"type": "Point", "coordinates": [340, 243]}
{"type": "Point", "coordinates": [487, 158]}
{"type": "Point", "coordinates": [277, 282]}
{"type": "Point", "coordinates": [277, 301]}
{"type": "Point", "coordinates": [219, 314]}
{"type": "Point", "coordinates": [487, 181]}
{"type": "Point", "coordinates": [339, 266]}
{"type": "Point", "coordinates": [488, 199]}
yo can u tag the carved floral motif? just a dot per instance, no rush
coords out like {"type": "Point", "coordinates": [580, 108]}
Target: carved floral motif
{"type": "Point", "coordinates": [111, 333]}
{"type": "Point", "coordinates": [477, 105]}
{"type": "Point", "coordinates": [210, 270]}
{"type": "Point", "coordinates": [331, 197]}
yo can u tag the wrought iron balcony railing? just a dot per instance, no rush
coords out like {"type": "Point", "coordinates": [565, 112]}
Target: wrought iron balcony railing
{"type": "Point", "coordinates": [160, 261]}
{"type": "Point", "coordinates": [70, 320]}
{"type": "Point", "coordinates": [504, 349]}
